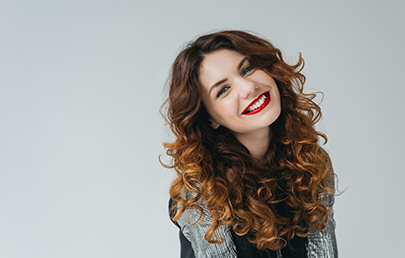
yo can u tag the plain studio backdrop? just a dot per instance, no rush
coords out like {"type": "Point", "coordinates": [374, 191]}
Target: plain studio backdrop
{"type": "Point", "coordinates": [81, 83]}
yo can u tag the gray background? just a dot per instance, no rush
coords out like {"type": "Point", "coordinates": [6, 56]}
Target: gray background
{"type": "Point", "coordinates": [81, 83]}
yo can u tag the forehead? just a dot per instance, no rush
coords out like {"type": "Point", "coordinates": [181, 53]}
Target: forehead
{"type": "Point", "coordinates": [218, 65]}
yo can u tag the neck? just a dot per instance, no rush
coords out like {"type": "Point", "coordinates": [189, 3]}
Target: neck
{"type": "Point", "coordinates": [257, 143]}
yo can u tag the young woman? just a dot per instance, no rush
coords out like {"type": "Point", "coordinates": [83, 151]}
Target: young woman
{"type": "Point", "coordinates": [252, 180]}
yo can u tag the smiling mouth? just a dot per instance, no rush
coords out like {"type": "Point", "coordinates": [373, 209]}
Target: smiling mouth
{"type": "Point", "coordinates": [257, 104]}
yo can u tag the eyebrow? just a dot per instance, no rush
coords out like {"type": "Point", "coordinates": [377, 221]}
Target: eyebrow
{"type": "Point", "coordinates": [242, 62]}
{"type": "Point", "coordinates": [224, 80]}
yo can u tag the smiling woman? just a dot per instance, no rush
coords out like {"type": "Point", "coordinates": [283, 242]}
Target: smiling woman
{"type": "Point", "coordinates": [252, 179]}
{"type": "Point", "coordinates": [246, 102]}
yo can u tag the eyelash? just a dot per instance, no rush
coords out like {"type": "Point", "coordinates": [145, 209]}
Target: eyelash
{"type": "Point", "coordinates": [247, 69]}
{"type": "Point", "coordinates": [222, 91]}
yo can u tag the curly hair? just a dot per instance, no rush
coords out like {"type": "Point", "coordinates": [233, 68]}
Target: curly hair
{"type": "Point", "coordinates": [270, 204]}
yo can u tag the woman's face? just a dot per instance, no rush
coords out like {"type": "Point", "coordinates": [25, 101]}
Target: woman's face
{"type": "Point", "coordinates": [237, 95]}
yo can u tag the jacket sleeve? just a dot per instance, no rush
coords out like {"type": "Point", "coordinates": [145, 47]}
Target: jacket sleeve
{"type": "Point", "coordinates": [195, 234]}
{"type": "Point", "coordinates": [323, 244]}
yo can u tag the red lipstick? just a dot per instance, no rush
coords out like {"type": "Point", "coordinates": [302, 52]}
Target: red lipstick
{"type": "Point", "coordinates": [256, 100]}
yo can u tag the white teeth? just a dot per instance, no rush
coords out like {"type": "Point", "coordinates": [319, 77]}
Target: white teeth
{"type": "Point", "coordinates": [257, 104]}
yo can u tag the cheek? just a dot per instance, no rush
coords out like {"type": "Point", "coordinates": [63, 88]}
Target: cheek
{"type": "Point", "coordinates": [219, 113]}
{"type": "Point", "coordinates": [228, 107]}
{"type": "Point", "coordinates": [223, 109]}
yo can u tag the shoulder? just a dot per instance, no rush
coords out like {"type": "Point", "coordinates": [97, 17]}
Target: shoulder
{"type": "Point", "coordinates": [193, 225]}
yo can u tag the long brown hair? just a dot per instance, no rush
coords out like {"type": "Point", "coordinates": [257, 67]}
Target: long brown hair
{"type": "Point", "coordinates": [270, 205]}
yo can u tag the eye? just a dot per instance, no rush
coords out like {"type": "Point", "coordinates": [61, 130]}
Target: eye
{"type": "Point", "coordinates": [222, 91]}
{"type": "Point", "coordinates": [247, 70]}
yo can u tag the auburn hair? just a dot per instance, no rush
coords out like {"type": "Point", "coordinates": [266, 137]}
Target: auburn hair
{"type": "Point", "coordinates": [271, 204]}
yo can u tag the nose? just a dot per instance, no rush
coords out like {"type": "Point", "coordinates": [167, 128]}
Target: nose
{"type": "Point", "coordinates": [246, 87]}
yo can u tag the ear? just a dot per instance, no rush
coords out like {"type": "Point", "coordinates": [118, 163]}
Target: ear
{"type": "Point", "coordinates": [214, 124]}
